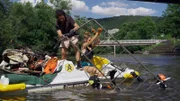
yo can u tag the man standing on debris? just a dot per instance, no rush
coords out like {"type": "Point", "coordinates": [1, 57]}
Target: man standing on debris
{"type": "Point", "coordinates": [66, 27]}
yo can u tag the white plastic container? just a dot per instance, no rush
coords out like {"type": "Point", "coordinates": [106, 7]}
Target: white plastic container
{"type": "Point", "coordinates": [4, 80]}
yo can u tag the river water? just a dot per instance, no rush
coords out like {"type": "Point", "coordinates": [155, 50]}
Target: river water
{"type": "Point", "coordinates": [166, 64]}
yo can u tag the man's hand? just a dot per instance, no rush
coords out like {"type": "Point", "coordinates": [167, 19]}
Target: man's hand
{"type": "Point", "coordinates": [71, 33]}
{"type": "Point", "coordinates": [61, 35]}
{"type": "Point", "coordinates": [67, 35]}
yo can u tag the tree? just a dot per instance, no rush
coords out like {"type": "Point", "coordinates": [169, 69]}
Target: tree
{"type": "Point", "coordinates": [27, 25]}
{"type": "Point", "coordinates": [143, 29]}
{"type": "Point", "coordinates": [62, 4]}
{"type": "Point", "coordinates": [171, 22]}
{"type": "Point", "coordinates": [5, 6]}
{"type": "Point", "coordinates": [146, 28]}
{"type": "Point", "coordinates": [128, 31]}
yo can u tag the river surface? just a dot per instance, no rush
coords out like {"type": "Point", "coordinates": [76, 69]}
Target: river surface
{"type": "Point", "coordinates": [166, 64]}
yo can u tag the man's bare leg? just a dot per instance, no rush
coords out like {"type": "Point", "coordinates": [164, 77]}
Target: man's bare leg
{"type": "Point", "coordinates": [77, 56]}
{"type": "Point", "coordinates": [63, 53]}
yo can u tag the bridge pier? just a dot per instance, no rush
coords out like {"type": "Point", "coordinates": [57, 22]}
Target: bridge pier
{"type": "Point", "coordinates": [114, 50]}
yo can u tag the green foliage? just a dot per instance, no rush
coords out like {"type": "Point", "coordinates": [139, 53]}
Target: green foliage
{"type": "Point", "coordinates": [80, 21]}
{"type": "Point", "coordinates": [25, 25]}
{"type": "Point", "coordinates": [5, 5]}
{"type": "Point", "coordinates": [28, 26]}
{"type": "Point", "coordinates": [143, 29]}
{"type": "Point", "coordinates": [177, 43]}
{"type": "Point", "coordinates": [146, 28]}
{"type": "Point", "coordinates": [117, 21]}
{"type": "Point", "coordinates": [171, 22]}
{"type": "Point", "coordinates": [151, 47]}
{"type": "Point", "coordinates": [128, 31]}
{"type": "Point", "coordinates": [62, 4]}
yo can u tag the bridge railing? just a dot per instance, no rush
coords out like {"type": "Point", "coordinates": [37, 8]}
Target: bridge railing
{"type": "Point", "coordinates": [133, 41]}
{"type": "Point", "coordinates": [143, 41]}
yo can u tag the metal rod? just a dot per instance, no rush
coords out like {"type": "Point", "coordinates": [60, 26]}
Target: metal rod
{"type": "Point", "coordinates": [89, 59]}
{"type": "Point", "coordinates": [128, 52]}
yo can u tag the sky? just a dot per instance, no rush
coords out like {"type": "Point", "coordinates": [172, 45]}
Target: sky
{"type": "Point", "coordinates": [110, 8]}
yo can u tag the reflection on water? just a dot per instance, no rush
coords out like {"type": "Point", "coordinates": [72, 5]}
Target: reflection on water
{"type": "Point", "coordinates": [158, 60]}
{"type": "Point", "coordinates": [169, 65]}
{"type": "Point", "coordinates": [13, 98]}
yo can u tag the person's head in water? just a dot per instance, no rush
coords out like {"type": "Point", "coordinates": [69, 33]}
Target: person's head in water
{"type": "Point", "coordinates": [60, 15]}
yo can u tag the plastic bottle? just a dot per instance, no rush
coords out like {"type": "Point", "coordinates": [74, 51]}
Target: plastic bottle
{"type": "Point", "coordinates": [4, 80]}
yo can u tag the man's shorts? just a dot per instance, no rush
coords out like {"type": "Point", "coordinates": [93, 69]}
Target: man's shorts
{"type": "Point", "coordinates": [83, 64]}
{"type": "Point", "coordinates": [65, 43]}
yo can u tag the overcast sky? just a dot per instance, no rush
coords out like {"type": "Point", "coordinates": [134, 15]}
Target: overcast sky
{"type": "Point", "coordinates": [109, 8]}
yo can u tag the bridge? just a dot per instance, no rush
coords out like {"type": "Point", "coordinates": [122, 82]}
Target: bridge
{"type": "Point", "coordinates": [130, 42]}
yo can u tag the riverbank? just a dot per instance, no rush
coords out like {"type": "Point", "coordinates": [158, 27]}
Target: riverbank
{"type": "Point", "coordinates": [168, 47]}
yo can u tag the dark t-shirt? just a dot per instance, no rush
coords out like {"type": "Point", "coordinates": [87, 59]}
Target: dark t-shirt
{"type": "Point", "coordinates": [65, 28]}
{"type": "Point", "coordinates": [88, 53]}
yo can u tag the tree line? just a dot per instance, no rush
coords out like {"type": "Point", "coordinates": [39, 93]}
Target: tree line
{"type": "Point", "coordinates": [166, 26]}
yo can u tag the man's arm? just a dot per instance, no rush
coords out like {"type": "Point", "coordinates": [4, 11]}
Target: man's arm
{"type": "Point", "coordinates": [71, 32]}
{"type": "Point", "coordinates": [76, 27]}
{"type": "Point", "coordinates": [72, 21]}
{"type": "Point", "coordinates": [59, 33]}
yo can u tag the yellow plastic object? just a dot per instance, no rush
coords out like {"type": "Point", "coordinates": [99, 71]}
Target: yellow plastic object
{"type": "Point", "coordinates": [14, 98]}
{"type": "Point", "coordinates": [91, 82]}
{"type": "Point", "coordinates": [129, 76]}
{"type": "Point", "coordinates": [12, 87]}
{"type": "Point", "coordinates": [99, 61]}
